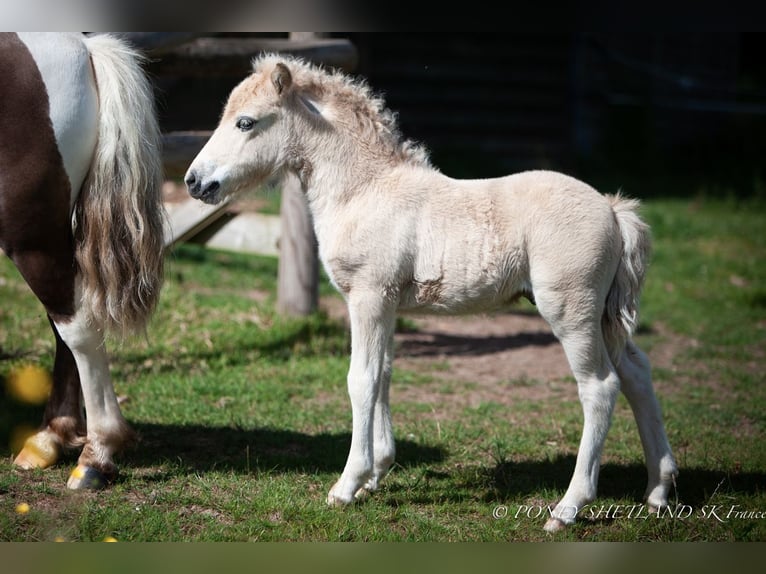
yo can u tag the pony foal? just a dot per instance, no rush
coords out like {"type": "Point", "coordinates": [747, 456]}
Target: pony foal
{"type": "Point", "coordinates": [396, 235]}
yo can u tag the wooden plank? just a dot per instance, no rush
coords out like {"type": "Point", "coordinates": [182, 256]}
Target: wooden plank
{"type": "Point", "coordinates": [232, 57]}
{"type": "Point", "coordinates": [245, 232]}
{"type": "Point", "coordinates": [157, 43]}
{"type": "Point", "coordinates": [188, 218]}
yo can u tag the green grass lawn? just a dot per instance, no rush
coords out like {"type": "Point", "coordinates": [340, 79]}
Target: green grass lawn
{"type": "Point", "coordinates": [245, 423]}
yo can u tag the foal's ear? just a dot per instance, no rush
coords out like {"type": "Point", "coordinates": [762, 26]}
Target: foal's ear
{"type": "Point", "coordinates": [281, 78]}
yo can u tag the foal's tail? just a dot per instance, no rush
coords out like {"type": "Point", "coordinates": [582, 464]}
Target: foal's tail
{"type": "Point", "coordinates": [119, 214]}
{"type": "Point", "coordinates": [621, 313]}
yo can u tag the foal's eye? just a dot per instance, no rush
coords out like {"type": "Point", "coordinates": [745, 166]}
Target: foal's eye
{"type": "Point", "coordinates": [245, 124]}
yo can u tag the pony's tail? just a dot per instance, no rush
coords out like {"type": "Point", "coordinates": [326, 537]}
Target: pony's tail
{"type": "Point", "coordinates": [621, 312]}
{"type": "Point", "coordinates": [119, 213]}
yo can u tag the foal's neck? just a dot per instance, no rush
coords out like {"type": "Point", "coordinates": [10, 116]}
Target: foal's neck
{"type": "Point", "coordinates": [334, 172]}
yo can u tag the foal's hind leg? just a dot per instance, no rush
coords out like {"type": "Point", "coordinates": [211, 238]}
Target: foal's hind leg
{"type": "Point", "coordinates": [597, 387]}
{"type": "Point", "coordinates": [577, 324]}
{"type": "Point", "coordinates": [63, 424]}
{"type": "Point", "coordinates": [635, 374]}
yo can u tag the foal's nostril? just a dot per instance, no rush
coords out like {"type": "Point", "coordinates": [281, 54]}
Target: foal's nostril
{"type": "Point", "coordinates": [211, 187]}
{"type": "Point", "coordinates": [191, 179]}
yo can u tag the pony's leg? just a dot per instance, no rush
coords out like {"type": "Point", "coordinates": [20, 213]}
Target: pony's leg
{"type": "Point", "coordinates": [384, 448]}
{"type": "Point", "coordinates": [49, 273]}
{"type": "Point", "coordinates": [63, 424]}
{"type": "Point", "coordinates": [635, 375]}
{"type": "Point", "coordinates": [597, 388]}
{"type": "Point", "coordinates": [107, 430]}
{"type": "Point", "coordinates": [372, 323]}
{"type": "Point", "coordinates": [576, 320]}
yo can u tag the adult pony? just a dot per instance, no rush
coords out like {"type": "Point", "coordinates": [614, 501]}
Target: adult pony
{"type": "Point", "coordinates": [395, 234]}
{"type": "Point", "coordinates": [81, 218]}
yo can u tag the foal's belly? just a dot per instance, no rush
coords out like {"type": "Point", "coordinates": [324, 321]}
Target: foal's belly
{"type": "Point", "coordinates": [443, 296]}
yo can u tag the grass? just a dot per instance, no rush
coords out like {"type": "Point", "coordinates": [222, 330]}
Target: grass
{"type": "Point", "coordinates": [245, 422]}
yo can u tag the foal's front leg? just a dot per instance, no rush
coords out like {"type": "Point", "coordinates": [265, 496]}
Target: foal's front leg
{"type": "Point", "coordinates": [384, 449]}
{"type": "Point", "coordinates": [372, 323]}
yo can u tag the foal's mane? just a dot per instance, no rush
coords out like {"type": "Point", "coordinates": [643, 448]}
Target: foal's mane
{"type": "Point", "coordinates": [353, 99]}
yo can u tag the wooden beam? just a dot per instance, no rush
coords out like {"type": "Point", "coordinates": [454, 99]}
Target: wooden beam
{"type": "Point", "coordinates": [211, 57]}
{"type": "Point", "coordinates": [246, 232]}
{"type": "Point", "coordinates": [156, 43]}
{"type": "Point", "coordinates": [188, 218]}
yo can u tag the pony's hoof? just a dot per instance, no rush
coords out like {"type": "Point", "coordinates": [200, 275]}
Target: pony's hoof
{"type": "Point", "coordinates": [554, 525]}
{"type": "Point", "coordinates": [38, 452]}
{"type": "Point", "coordinates": [87, 478]}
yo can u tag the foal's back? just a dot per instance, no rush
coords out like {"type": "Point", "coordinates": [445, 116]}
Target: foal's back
{"type": "Point", "coordinates": [480, 244]}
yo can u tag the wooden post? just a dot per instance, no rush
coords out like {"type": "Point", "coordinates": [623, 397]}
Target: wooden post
{"type": "Point", "coordinates": [298, 279]}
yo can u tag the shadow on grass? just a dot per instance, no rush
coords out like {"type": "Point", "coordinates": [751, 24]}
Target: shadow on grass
{"type": "Point", "coordinates": [313, 337]}
{"type": "Point", "coordinates": [430, 344]}
{"type": "Point", "coordinates": [529, 480]}
{"type": "Point", "coordinates": [694, 486]}
{"type": "Point", "coordinates": [198, 448]}
{"type": "Point", "coordinates": [423, 343]}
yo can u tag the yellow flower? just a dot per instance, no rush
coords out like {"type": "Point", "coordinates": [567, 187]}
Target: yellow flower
{"type": "Point", "coordinates": [29, 384]}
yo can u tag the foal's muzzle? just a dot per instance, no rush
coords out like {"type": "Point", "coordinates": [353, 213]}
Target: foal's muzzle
{"type": "Point", "coordinates": [206, 191]}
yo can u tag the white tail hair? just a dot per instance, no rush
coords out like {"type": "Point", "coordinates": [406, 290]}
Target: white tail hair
{"type": "Point", "coordinates": [621, 311]}
{"type": "Point", "coordinates": [119, 213]}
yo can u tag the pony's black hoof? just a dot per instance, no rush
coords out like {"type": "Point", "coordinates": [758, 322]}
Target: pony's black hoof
{"type": "Point", "coordinates": [87, 478]}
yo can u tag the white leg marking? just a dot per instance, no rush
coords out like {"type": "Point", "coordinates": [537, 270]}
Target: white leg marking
{"type": "Point", "coordinates": [384, 449]}
{"type": "Point", "coordinates": [105, 422]}
{"type": "Point", "coordinates": [371, 327]}
{"type": "Point", "coordinates": [597, 385]}
{"type": "Point", "coordinates": [635, 374]}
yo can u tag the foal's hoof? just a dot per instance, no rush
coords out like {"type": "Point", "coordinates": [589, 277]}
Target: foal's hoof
{"type": "Point", "coordinates": [337, 501]}
{"type": "Point", "coordinates": [38, 452]}
{"type": "Point", "coordinates": [87, 478]}
{"type": "Point", "coordinates": [369, 486]}
{"type": "Point", "coordinates": [554, 525]}
{"type": "Point", "coordinates": [335, 498]}
{"type": "Point", "coordinates": [362, 494]}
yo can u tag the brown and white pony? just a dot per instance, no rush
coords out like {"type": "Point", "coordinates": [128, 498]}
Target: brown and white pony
{"type": "Point", "coordinates": [81, 217]}
{"type": "Point", "coordinates": [396, 235]}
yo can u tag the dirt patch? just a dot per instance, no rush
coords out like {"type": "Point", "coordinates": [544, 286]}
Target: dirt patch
{"type": "Point", "coordinates": [493, 358]}
{"type": "Point", "coordinates": [475, 359]}
{"type": "Point", "coordinates": [484, 349]}
{"type": "Point", "coordinates": [480, 358]}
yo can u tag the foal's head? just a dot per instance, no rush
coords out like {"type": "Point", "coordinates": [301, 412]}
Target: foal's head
{"type": "Point", "coordinates": [251, 141]}
{"type": "Point", "coordinates": [279, 118]}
